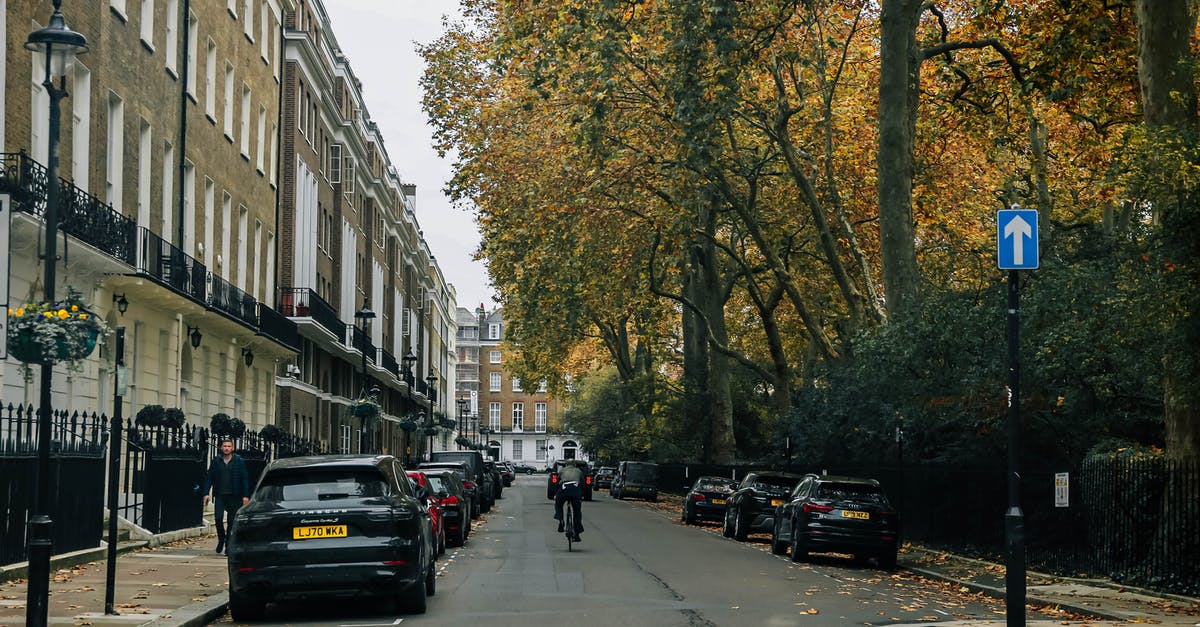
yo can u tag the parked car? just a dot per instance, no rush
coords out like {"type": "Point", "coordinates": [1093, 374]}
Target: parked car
{"type": "Point", "coordinates": [474, 461]}
{"type": "Point", "coordinates": [447, 488]}
{"type": "Point", "coordinates": [752, 507]}
{"type": "Point", "coordinates": [706, 499]}
{"type": "Point", "coordinates": [638, 479]}
{"type": "Point", "coordinates": [525, 468]}
{"type": "Point", "coordinates": [493, 469]}
{"type": "Point", "coordinates": [470, 488]}
{"type": "Point", "coordinates": [604, 477]}
{"type": "Point", "coordinates": [434, 506]}
{"type": "Point", "coordinates": [552, 480]}
{"type": "Point", "coordinates": [842, 514]}
{"type": "Point", "coordinates": [331, 526]}
{"type": "Point", "coordinates": [507, 473]}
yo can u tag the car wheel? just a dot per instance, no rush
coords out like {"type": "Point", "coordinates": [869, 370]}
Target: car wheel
{"type": "Point", "coordinates": [887, 560]}
{"type": "Point", "coordinates": [431, 579]}
{"type": "Point", "coordinates": [726, 528]}
{"type": "Point", "coordinates": [243, 609]}
{"type": "Point", "coordinates": [799, 549]}
{"type": "Point", "coordinates": [777, 547]}
{"type": "Point", "coordinates": [739, 530]}
{"type": "Point", "coordinates": [411, 599]}
{"type": "Point", "coordinates": [654, 499]}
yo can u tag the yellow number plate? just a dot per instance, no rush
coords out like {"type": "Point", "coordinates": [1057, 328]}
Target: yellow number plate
{"type": "Point", "coordinates": [319, 531]}
{"type": "Point", "coordinates": [846, 513]}
{"type": "Point", "coordinates": [775, 502]}
{"type": "Point", "coordinates": [718, 501]}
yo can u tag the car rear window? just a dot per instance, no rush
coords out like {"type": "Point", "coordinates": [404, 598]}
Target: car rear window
{"type": "Point", "coordinates": [716, 485]}
{"type": "Point", "coordinates": [322, 485]}
{"type": "Point", "coordinates": [436, 484]}
{"type": "Point", "coordinates": [767, 481]}
{"type": "Point", "coordinates": [851, 492]}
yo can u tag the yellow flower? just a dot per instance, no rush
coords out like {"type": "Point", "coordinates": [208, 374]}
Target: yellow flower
{"type": "Point", "coordinates": [10, 311]}
{"type": "Point", "coordinates": [74, 307]}
{"type": "Point", "coordinates": [63, 315]}
{"type": "Point", "coordinates": [49, 314]}
{"type": "Point", "coordinates": [20, 311]}
{"type": "Point", "coordinates": [83, 316]}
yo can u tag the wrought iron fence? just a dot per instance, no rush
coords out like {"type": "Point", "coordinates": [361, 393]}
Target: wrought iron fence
{"type": "Point", "coordinates": [171, 267]}
{"type": "Point", "coordinates": [77, 468]}
{"type": "Point", "coordinates": [302, 302]}
{"type": "Point", "coordinates": [228, 298]}
{"type": "Point", "coordinates": [278, 327]}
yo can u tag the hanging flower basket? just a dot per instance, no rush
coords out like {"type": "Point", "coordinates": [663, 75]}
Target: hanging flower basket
{"type": "Point", "coordinates": [431, 430]}
{"type": "Point", "coordinates": [51, 333]}
{"type": "Point", "coordinates": [408, 426]}
{"type": "Point", "coordinates": [364, 410]}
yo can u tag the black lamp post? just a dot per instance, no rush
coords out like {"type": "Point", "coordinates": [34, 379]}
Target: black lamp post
{"type": "Point", "coordinates": [462, 416]}
{"type": "Point", "coordinates": [430, 381]}
{"type": "Point", "coordinates": [363, 315]}
{"type": "Point", "coordinates": [409, 360]}
{"type": "Point", "coordinates": [59, 45]}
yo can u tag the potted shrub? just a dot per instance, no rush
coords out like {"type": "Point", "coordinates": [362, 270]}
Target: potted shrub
{"type": "Point", "coordinates": [221, 424]}
{"type": "Point", "coordinates": [150, 416]}
{"type": "Point", "coordinates": [173, 417]}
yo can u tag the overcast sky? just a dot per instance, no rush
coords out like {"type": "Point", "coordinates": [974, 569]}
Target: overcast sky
{"type": "Point", "coordinates": [379, 37]}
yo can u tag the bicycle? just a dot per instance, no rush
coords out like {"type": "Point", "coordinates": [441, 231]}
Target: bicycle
{"type": "Point", "coordinates": [569, 524]}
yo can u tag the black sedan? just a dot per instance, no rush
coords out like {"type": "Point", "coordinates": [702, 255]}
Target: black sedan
{"type": "Point", "coordinates": [470, 489]}
{"type": "Point", "coordinates": [334, 526]}
{"type": "Point", "coordinates": [707, 499]}
{"type": "Point", "coordinates": [752, 507]}
{"type": "Point", "coordinates": [447, 488]}
{"type": "Point", "coordinates": [838, 514]}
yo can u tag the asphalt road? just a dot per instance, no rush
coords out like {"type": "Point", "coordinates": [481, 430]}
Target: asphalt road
{"type": "Point", "coordinates": [638, 565]}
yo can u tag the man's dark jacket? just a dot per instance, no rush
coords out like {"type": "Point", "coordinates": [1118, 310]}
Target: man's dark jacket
{"type": "Point", "coordinates": [240, 477]}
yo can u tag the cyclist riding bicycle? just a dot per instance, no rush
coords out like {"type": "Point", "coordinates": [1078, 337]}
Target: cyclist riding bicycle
{"type": "Point", "coordinates": [569, 479]}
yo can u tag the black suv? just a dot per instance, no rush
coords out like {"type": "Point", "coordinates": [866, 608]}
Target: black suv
{"type": "Point", "coordinates": [842, 514]}
{"type": "Point", "coordinates": [479, 475]}
{"type": "Point", "coordinates": [552, 481]}
{"type": "Point", "coordinates": [752, 507]}
{"type": "Point", "coordinates": [334, 526]}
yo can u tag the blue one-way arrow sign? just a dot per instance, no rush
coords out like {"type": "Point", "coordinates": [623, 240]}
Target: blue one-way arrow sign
{"type": "Point", "coordinates": [1017, 239]}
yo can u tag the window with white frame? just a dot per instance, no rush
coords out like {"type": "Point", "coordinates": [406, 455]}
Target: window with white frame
{"type": "Point", "coordinates": [264, 18]}
{"type": "Point", "coordinates": [147, 26]}
{"type": "Point", "coordinates": [494, 416]}
{"type": "Point", "coordinates": [260, 148]}
{"type": "Point", "coordinates": [81, 131]}
{"type": "Point", "coordinates": [228, 100]}
{"type": "Point", "coordinates": [494, 357]}
{"type": "Point", "coordinates": [115, 155]}
{"type": "Point", "coordinates": [542, 386]}
{"type": "Point", "coordinates": [210, 81]}
{"type": "Point", "coordinates": [493, 331]}
{"type": "Point", "coordinates": [193, 35]}
{"type": "Point", "coordinates": [518, 416]}
{"type": "Point", "coordinates": [248, 19]}
{"type": "Point", "coordinates": [539, 447]}
{"type": "Point", "coordinates": [118, 6]}
{"type": "Point", "coordinates": [245, 120]}
{"type": "Point", "coordinates": [345, 439]}
{"type": "Point", "coordinates": [539, 417]}
{"type": "Point", "coordinates": [516, 384]}
{"type": "Point", "coordinates": [517, 453]}
{"type": "Point", "coordinates": [493, 381]}
{"type": "Point", "coordinates": [172, 26]}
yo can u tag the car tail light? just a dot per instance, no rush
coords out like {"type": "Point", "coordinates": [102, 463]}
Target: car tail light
{"type": "Point", "coordinates": [813, 508]}
{"type": "Point", "coordinates": [554, 477]}
{"type": "Point", "coordinates": [699, 497]}
{"type": "Point", "coordinates": [450, 500]}
{"type": "Point", "coordinates": [588, 480]}
{"type": "Point", "coordinates": [246, 569]}
{"type": "Point", "coordinates": [395, 562]}
{"type": "Point", "coordinates": [470, 485]}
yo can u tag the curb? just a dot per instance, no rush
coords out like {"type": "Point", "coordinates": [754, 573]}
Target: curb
{"type": "Point", "coordinates": [20, 570]}
{"type": "Point", "coordinates": [195, 614]}
{"type": "Point", "coordinates": [999, 593]}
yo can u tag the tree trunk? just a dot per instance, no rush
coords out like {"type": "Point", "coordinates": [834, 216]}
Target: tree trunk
{"type": "Point", "coordinates": [722, 448]}
{"type": "Point", "coordinates": [1165, 71]}
{"type": "Point", "coordinates": [898, 83]}
{"type": "Point", "coordinates": [695, 358]}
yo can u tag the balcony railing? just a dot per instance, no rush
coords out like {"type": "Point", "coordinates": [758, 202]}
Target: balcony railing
{"type": "Point", "coordinates": [172, 267]}
{"type": "Point", "coordinates": [81, 214]}
{"type": "Point", "coordinates": [388, 361]}
{"type": "Point", "coordinates": [278, 327]}
{"type": "Point", "coordinates": [228, 298]}
{"type": "Point", "coordinates": [302, 302]}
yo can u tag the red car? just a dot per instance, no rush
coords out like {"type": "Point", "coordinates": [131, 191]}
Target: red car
{"type": "Point", "coordinates": [434, 505]}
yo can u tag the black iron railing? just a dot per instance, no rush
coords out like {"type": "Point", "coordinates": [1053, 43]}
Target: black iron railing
{"type": "Point", "coordinates": [83, 215]}
{"type": "Point", "coordinates": [173, 268]}
{"type": "Point", "coordinates": [388, 361]}
{"type": "Point", "coordinates": [302, 302]}
{"type": "Point", "coordinates": [361, 342]}
{"type": "Point", "coordinates": [277, 327]}
{"type": "Point", "coordinates": [228, 298]}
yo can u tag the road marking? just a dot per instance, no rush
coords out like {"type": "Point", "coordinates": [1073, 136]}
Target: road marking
{"type": "Point", "coordinates": [395, 622]}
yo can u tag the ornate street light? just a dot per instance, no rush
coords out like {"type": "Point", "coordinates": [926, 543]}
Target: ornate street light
{"type": "Point", "coordinates": [430, 380]}
{"type": "Point", "coordinates": [409, 359]}
{"type": "Point", "coordinates": [363, 316]}
{"type": "Point", "coordinates": [58, 45]}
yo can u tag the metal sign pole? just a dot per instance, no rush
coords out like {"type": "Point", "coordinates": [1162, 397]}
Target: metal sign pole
{"type": "Point", "coordinates": [114, 472]}
{"type": "Point", "coordinates": [1014, 519]}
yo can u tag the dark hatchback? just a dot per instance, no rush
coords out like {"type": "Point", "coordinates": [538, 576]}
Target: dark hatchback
{"type": "Point", "coordinates": [752, 507]}
{"type": "Point", "coordinates": [706, 499]}
{"type": "Point", "coordinates": [838, 514]}
{"type": "Point", "coordinates": [604, 477]}
{"type": "Point", "coordinates": [470, 488]}
{"type": "Point", "coordinates": [333, 526]}
{"type": "Point", "coordinates": [552, 480]}
{"type": "Point", "coordinates": [447, 489]}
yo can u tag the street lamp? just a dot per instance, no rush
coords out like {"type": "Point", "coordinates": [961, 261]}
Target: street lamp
{"type": "Point", "coordinates": [364, 315]}
{"type": "Point", "coordinates": [462, 416]}
{"type": "Point", "coordinates": [430, 380]}
{"type": "Point", "coordinates": [58, 45]}
{"type": "Point", "coordinates": [409, 360]}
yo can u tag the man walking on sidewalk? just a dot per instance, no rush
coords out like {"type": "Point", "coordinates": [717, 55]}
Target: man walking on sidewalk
{"type": "Point", "coordinates": [230, 484]}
